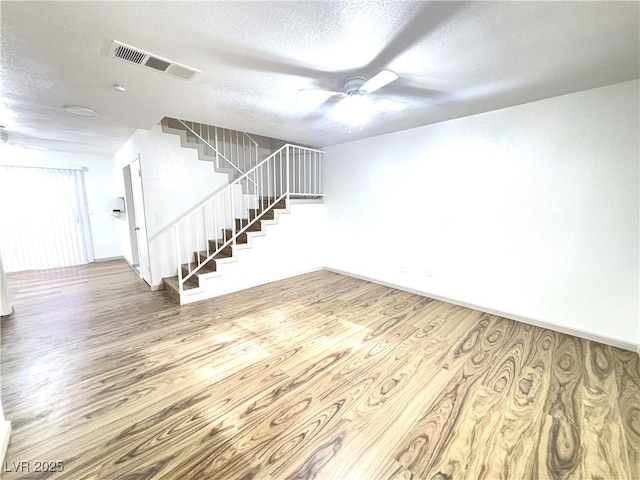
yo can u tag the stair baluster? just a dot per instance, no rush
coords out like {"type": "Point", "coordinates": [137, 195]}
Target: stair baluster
{"type": "Point", "coordinates": [231, 214]}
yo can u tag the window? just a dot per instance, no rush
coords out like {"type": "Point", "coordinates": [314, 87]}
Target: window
{"type": "Point", "coordinates": [44, 221]}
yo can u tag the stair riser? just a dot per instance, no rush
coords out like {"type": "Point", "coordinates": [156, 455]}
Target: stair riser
{"type": "Point", "coordinates": [266, 201]}
{"type": "Point", "coordinates": [242, 238]}
{"type": "Point", "coordinates": [204, 255]}
{"type": "Point", "coordinates": [254, 227]}
{"type": "Point", "coordinates": [268, 215]}
{"type": "Point", "coordinates": [226, 251]}
{"type": "Point", "coordinates": [170, 289]}
{"type": "Point", "coordinates": [189, 284]}
{"type": "Point", "coordinates": [209, 267]}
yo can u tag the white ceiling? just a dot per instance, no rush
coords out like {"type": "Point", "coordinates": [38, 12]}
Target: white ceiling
{"type": "Point", "coordinates": [453, 58]}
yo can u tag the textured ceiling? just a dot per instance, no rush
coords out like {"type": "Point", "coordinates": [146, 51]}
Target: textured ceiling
{"type": "Point", "coordinates": [453, 58]}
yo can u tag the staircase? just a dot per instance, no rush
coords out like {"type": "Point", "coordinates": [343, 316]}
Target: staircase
{"type": "Point", "coordinates": [212, 232]}
{"type": "Point", "coordinates": [206, 265]}
{"type": "Point", "coordinates": [230, 151]}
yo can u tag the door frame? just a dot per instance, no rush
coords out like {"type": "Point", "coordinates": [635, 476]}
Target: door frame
{"type": "Point", "coordinates": [133, 222]}
{"type": "Point", "coordinates": [131, 218]}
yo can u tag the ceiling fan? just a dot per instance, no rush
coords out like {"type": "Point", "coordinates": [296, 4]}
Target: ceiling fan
{"type": "Point", "coordinates": [357, 106]}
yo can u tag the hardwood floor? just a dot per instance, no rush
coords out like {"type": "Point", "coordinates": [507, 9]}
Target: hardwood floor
{"type": "Point", "coordinates": [319, 376]}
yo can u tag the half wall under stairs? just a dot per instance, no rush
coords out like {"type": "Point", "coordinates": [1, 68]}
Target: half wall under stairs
{"type": "Point", "coordinates": [209, 268]}
{"type": "Point", "coordinates": [289, 244]}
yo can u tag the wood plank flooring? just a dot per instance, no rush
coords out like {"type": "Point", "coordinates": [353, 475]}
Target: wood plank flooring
{"type": "Point", "coordinates": [320, 376]}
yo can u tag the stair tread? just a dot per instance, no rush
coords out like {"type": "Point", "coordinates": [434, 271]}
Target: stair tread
{"type": "Point", "coordinates": [241, 238]}
{"type": "Point", "coordinates": [172, 282]}
{"type": "Point", "coordinates": [263, 214]}
{"type": "Point", "coordinates": [221, 254]}
{"type": "Point", "coordinates": [206, 268]}
{"type": "Point", "coordinates": [251, 227]}
{"type": "Point", "coordinates": [279, 205]}
{"type": "Point", "coordinates": [219, 241]}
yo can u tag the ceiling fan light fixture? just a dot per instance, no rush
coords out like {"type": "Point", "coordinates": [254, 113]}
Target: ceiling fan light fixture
{"type": "Point", "coordinates": [357, 106]}
{"type": "Point", "coordinates": [354, 111]}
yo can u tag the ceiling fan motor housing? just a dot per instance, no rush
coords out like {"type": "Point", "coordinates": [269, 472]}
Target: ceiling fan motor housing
{"type": "Point", "coordinates": [353, 85]}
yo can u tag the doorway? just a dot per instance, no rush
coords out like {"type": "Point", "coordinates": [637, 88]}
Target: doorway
{"type": "Point", "coordinates": [134, 206]}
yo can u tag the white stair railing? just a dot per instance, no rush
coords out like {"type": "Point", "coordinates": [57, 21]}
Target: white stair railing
{"type": "Point", "coordinates": [231, 149]}
{"type": "Point", "coordinates": [218, 222]}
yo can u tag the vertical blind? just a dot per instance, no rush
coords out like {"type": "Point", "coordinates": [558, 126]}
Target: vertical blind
{"type": "Point", "coordinates": [44, 220]}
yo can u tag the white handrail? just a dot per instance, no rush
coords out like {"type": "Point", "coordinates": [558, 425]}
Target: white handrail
{"type": "Point", "coordinates": [290, 170]}
{"type": "Point", "coordinates": [221, 192]}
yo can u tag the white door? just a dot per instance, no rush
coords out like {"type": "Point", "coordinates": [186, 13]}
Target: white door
{"type": "Point", "coordinates": [140, 224]}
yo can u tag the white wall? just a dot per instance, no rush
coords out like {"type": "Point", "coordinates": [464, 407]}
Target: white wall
{"type": "Point", "coordinates": [291, 247]}
{"type": "Point", "coordinates": [174, 180]}
{"type": "Point", "coordinates": [101, 191]}
{"type": "Point", "coordinates": [532, 211]}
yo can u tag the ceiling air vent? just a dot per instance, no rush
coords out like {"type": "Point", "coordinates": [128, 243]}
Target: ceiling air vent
{"type": "Point", "coordinates": [148, 60]}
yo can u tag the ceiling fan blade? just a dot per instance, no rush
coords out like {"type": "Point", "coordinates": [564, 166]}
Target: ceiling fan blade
{"type": "Point", "coordinates": [378, 81]}
{"type": "Point", "coordinates": [322, 93]}
{"type": "Point", "coordinates": [390, 105]}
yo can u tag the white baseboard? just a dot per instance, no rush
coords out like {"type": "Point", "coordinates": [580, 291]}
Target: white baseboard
{"type": "Point", "coordinates": [206, 295]}
{"type": "Point", "coordinates": [5, 434]}
{"type": "Point", "coordinates": [109, 259]}
{"type": "Point", "coordinates": [538, 323]}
